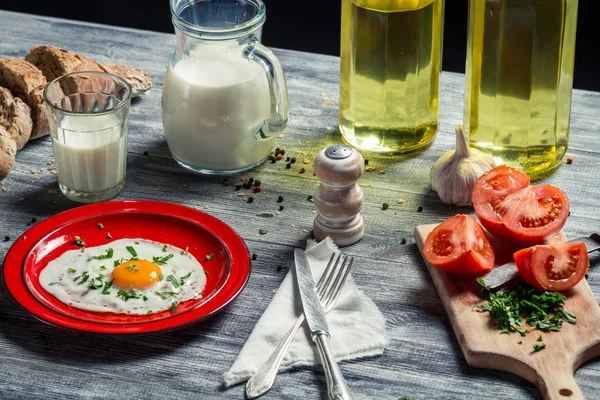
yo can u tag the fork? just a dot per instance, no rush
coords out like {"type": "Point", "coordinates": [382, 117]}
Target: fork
{"type": "Point", "coordinates": [329, 288]}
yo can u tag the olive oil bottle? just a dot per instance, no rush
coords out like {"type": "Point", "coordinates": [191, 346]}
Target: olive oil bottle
{"type": "Point", "coordinates": [391, 56]}
{"type": "Point", "coordinates": [519, 80]}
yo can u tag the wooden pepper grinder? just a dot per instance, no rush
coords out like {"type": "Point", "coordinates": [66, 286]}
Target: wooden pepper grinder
{"type": "Point", "coordinates": [339, 199]}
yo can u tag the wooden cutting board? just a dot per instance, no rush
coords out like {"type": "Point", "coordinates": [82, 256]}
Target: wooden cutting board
{"type": "Point", "coordinates": [552, 368]}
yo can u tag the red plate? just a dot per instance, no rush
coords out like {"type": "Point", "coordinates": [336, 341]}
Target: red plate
{"type": "Point", "coordinates": [180, 226]}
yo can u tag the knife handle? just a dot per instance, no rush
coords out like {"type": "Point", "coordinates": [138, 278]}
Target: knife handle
{"type": "Point", "coordinates": [337, 389]}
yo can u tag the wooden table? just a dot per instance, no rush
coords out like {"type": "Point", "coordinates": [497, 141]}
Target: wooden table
{"type": "Point", "coordinates": [423, 359]}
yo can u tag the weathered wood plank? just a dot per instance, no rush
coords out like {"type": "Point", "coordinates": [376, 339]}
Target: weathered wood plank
{"type": "Point", "coordinates": [424, 359]}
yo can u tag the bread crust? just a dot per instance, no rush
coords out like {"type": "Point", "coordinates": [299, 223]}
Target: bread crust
{"type": "Point", "coordinates": [15, 117]}
{"type": "Point", "coordinates": [8, 150]}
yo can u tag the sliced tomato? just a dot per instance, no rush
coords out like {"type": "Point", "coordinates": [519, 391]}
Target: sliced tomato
{"type": "Point", "coordinates": [459, 245]}
{"type": "Point", "coordinates": [490, 189]}
{"type": "Point", "coordinates": [556, 267]}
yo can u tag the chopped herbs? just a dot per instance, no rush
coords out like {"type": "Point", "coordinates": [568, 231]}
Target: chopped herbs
{"type": "Point", "coordinates": [263, 231]}
{"type": "Point", "coordinates": [210, 257]}
{"type": "Point", "coordinates": [520, 342]}
{"type": "Point", "coordinates": [97, 282]}
{"type": "Point", "coordinates": [164, 295]}
{"type": "Point", "coordinates": [136, 242]}
{"type": "Point", "coordinates": [162, 260]}
{"type": "Point", "coordinates": [130, 267]}
{"type": "Point", "coordinates": [131, 294]}
{"type": "Point", "coordinates": [82, 278]}
{"type": "Point", "coordinates": [83, 249]}
{"type": "Point", "coordinates": [78, 241]}
{"type": "Point", "coordinates": [184, 251]}
{"type": "Point", "coordinates": [174, 306]}
{"type": "Point", "coordinates": [539, 339]}
{"type": "Point", "coordinates": [183, 278]}
{"type": "Point", "coordinates": [103, 267]}
{"type": "Point", "coordinates": [173, 280]}
{"type": "Point", "coordinates": [72, 270]}
{"type": "Point", "coordinates": [107, 285]}
{"type": "Point", "coordinates": [52, 283]}
{"type": "Point", "coordinates": [109, 254]}
{"type": "Point", "coordinates": [131, 251]}
{"type": "Point", "coordinates": [100, 226]}
{"type": "Point", "coordinates": [116, 263]}
{"type": "Point", "coordinates": [145, 298]}
{"type": "Point", "coordinates": [161, 277]}
{"type": "Point", "coordinates": [164, 249]}
{"type": "Point", "coordinates": [149, 312]}
{"type": "Point", "coordinates": [538, 347]}
{"type": "Point", "coordinates": [542, 311]}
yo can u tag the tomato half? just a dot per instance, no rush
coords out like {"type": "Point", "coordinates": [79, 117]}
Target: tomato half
{"type": "Point", "coordinates": [555, 267]}
{"type": "Point", "coordinates": [490, 189]}
{"type": "Point", "coordinates": [459, 245]}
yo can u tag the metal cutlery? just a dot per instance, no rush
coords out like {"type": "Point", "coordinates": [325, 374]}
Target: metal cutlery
{"type": "Point", "coordinates": [329, 289]}
{"type": "Point", "coordinates": [507, 272]}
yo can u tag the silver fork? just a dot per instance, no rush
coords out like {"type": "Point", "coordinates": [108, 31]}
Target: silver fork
{"type": "Point", "coordinates": [329, 288]}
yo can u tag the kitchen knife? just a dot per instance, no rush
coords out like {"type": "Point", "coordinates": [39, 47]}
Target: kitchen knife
{"type": "Point", "coordinates": [337, 388]}
{"type": "Point", "coordinates": [509, 271]}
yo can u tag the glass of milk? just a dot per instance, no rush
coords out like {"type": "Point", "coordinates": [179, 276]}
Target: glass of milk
{"type": "Point", "coordinates": [88, 114]}
{"type": "Point", "coordinates": [225, 96]}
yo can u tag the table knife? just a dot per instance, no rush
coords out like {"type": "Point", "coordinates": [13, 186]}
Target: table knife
{"type": "Point", "coordinates": [337, 388]}
{"type": "Point", "coordinates": [509, 271]}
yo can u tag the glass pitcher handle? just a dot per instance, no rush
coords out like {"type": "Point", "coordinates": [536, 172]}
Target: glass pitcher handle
{"type": "Point", "coordinates": [277, 88]}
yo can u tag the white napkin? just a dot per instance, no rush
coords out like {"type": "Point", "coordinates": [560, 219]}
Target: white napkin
{"type": "Point", "coordinates": [356, 325]}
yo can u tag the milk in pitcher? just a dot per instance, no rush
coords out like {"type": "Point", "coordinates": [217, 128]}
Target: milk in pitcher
{"type": "Point", "coordinates": [214, 104]}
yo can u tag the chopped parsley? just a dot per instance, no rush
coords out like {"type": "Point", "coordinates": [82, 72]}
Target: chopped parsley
{"type": "Point", "coordinates": [109, 254]}
{"type": "Point", "coordinates": [184, 251]}
{"type": "Point", "coordinates": [131, 294]}
{"type": "Point", "coordinates": [164, 249]}
{"type": "Point", "coordinates": [174, 306]}
{"type": "Point", "coordinates": [131, 251]}
{"type": "Point", "coordinates": [52, 283]}
{"type": "Point", "coordinates": [83, 249]}
{"type": "Point", "coordinates": [82, 278]}
{"type": "Point", "coordinates": [543, 311]}
{"type": "Point", "coordinates": [183, 278]}
{"type": "Point", "coordinates": [145, 298]}
{"type": "Point", "coordinates": [78, 241]}
{"type": "Point", "coordinates": [210, 256]}
{"type": "Point", "coordinates": [72, 270]}
{"type": "Point", "coordinates": [100, 226]}
{"type": "Point", "coordinates": [538, 347]}
{"type": "Point", "coordinates": [131, 267]}
{"type": "Point", "coordinates": [118, 262]}
{"type": "Point", "coordinates": [539, 339]}
{"type": "Point", "coordinates": [136, 242]}
{"type": "Point", "coordinates": [107, 285]}
{"type": "Point", "coordinates": [97, 282]}
{"type": "Point", "coordinates": [164, 295]}
{"type": "Point", "coordinates": [263, 231]}
{"type": "Point", "coordinates": [161, 277]}
{"type": "Point", "coordinates": [149, 312]}
{"type": "Point", "coordinates": [162, 260]}
{"type": "Point", "coordinates": [103, 266]}
{"type": "Point", "coordinates": [173, 280]}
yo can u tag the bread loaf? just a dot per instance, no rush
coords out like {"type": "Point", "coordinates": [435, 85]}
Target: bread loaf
{"type": "Point", "coordinates": [55, 62]}
{"type": "Point", "coordinates": [8, 150]}
{"type": "Point", "coordinates": [27, 82]}
{"type": "Point", "coordinates": [15, 117]}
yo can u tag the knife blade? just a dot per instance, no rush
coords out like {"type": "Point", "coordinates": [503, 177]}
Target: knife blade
{"type": "Point", "coordinates": [509, 271]}
{"type": "Point", "coordinates": [337, 388]}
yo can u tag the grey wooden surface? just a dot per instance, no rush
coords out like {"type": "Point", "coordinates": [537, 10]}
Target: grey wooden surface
{"type": "Point", "coordinates": [423, 359]}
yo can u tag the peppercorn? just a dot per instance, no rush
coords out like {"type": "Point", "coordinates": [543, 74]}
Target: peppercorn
{"type": "Point", "coordinates": [250, 199]}
{"type": "Point", "coordinates": [238, 186]}
{"type": "Point", "coordinates": [280, 208]}
{"type": "Point", "coordinates": [145, 153]}
{"type": "Point", "coordinates": [277, 151]}
{"type": "Point", "coordinates": [385, 206]}
{"type": "Point", "coordinates": [279, 268]}
{"type": "Point", "coordinates": [250, 180]}
{"type": "Point", "coordinates": [293, 160]}
{"type": "Point", "coordinates": [569, 160]}
{"type": "Point", "coordinates": [302, 170]}
{"type": "Point", "coordinates": [257, 182]}
{"type": "Point", "coordinates": [225, 182]}
{"type": "Point", "coordinates": [366, 162]}
{"type": "Point", "coordinates": [6, 238]}
{"type": "Point", "coordinates": [280, 199]}
{"type": "Point", "coordinates": [287, 159]}
{"type": "Point", "coordinates": [246, 185]}
{"type": "Point", "coordinates": [288, 165]}
{"type": "Point", "coordinates": [403, 241]}
{"type": "Point", "coordinates": [254, 257]}
{"type": "Point", "coordinates": [273, 160]}
{"type": "Point", "coordinates": [309, 198]}
{"type": "Point", "coordinates": [420, 209]}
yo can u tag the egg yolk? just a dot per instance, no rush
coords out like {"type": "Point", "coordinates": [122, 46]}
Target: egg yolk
{"type": "Point", "coordinates": [140, 274]}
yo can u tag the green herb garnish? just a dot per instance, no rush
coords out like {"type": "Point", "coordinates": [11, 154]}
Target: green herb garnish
{"type": "Point", "coordinates": [164, 249]}
{"type": "Point", "coordinates": [78, 241]}
{"type": "Point", "coordinates": [145, 298]}
{"type": "Point", "coordinates": [52, 283]}
{"type": "Point", "coordinates": [107, 285]}
{"type": "Point", "coordinates": [136, 242]}
{"type": "Point", "coordinates": [97, 282]}
{"type": "Point", "coordinates": [210, 257]}
{"type": "Point", "coordinates": [183, 278]}
{"type": "Point", "coordinates": [131, 267]}
{"type": "Point", "coordinates": [539, 339]}
{"type": "Point", "coordinates": [162, 260]}
{"type": "Point", "coordinates": [131, 251]}
{"type": "Point", "coordinates": [173, 280]}
{"type": "Point", "coordinates": [103, 266]}
{"type": "Point", "coordinates": [100, 226]}
{"type": "Point", "coordinates": [174, 306]}
{"type": "Point", "coordinates": [72, 270]}
{"type": "Point", "coordinates": [149, 312]}
{"type": "Point", "coordinates": [109, 254]}
{"type": "Point", "coordinates": [131, 294]}
{"type": "Point", "coordinates": [82, 278]}
{"type": "Point", "coordinates": [161, 277]}
{"type": "Point", "coordinates": [83, 249]}
{"type": "Point", "coordinates": [164, 295]}
{"type": "Point", "coordinates": [538, 347]}
{"type": "Point", "coordinates": [263, 231]}
{"type": "Point", "coordinates": [116, 263]}
{"type": "Point", "coordinates": [520, 342]}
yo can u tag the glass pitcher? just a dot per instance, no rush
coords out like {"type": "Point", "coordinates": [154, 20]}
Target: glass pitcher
{"type": "Point", "coordinates": [224, 97]}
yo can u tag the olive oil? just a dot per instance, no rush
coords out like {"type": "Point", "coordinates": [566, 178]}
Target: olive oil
{"type": "Point", "coordinates": [519, 79]}
{"type": "Point", "coordinates": [391, 55]}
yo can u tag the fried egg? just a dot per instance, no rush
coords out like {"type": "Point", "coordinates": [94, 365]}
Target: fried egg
{"type": "Point", "coordinates": [131, 276]}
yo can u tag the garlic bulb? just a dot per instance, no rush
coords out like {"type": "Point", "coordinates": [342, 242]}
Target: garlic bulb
{"type": "Point", "coordinates": [454, 174]}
